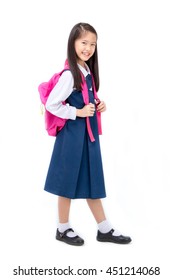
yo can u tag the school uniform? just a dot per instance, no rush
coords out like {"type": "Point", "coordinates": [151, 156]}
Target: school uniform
{"type": "Point", "coordinates": [75, 169]}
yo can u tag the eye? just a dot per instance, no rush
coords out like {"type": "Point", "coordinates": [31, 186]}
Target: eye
{"type": "Point", "coordinates": [83, 43]}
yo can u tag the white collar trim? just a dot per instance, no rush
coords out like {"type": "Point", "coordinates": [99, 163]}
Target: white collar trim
{"type": "Point", "coordinates": [83, 70]}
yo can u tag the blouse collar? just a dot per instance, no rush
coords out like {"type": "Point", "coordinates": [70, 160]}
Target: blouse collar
{"type": "Point", "coordinates": [83, 70]}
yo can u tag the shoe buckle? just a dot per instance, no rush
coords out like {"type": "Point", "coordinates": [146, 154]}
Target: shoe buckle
{"type": "Point", "coordinates": [61, 234]}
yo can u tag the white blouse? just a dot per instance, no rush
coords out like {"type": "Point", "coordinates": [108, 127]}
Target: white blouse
{"type": "Point", "coordinates": [61, 92]}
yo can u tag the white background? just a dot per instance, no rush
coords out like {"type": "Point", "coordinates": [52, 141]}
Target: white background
{"type": "Point", "coordinates": [136, 68]}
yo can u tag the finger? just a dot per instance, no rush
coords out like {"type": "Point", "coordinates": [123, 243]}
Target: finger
{"type": "Point", "coordinates": [92, 110]}
{"type": "Point", "coordinates": [100, 107]}
{"type": "Point", "coordinates": [92, 105]}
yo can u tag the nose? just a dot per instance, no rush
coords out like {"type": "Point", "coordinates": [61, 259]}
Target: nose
{"type": "Point", "coordinates": [88, 47]}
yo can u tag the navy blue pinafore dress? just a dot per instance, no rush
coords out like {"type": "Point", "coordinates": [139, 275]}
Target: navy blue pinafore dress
{"type": "Point", "coordinates": [75, 169]}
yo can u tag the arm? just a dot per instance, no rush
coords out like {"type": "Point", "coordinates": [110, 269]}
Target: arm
{"type": "Point", "coordinates": [60, 93]}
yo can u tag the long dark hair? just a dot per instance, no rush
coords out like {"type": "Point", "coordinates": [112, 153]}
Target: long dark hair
{"type": "Point", "coordinates": [92, 63]}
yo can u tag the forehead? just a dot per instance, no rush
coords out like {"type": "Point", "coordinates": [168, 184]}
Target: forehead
{"type": "Point", "coordinates": [88, 36]}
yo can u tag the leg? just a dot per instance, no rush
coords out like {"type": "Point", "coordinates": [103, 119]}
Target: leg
{"type": "Point", "coordinates": [105, 232]}
{"type": "Point", "coordinates": [97, 209]}
{"type": "Point", "coordinates": [65, 233]}
{"type": "Point", "coordinates": [64, 209]}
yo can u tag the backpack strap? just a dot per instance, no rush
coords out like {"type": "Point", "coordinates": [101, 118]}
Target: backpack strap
{"type": "Point", "coordinates": [97, 113]}
{"type": "Point", "coordinates": [86, 101]}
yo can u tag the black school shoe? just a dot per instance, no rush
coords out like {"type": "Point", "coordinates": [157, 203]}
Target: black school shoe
{"type": "Point", "coordinates": [62, 236]}
{"type": "Point", "coordinates": [109, 237]}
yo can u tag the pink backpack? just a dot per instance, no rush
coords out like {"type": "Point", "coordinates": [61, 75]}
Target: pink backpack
{"type": "Point", "coordinates": [54, 124]}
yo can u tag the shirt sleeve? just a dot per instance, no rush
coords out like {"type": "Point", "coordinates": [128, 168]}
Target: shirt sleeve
{"type": "Point", "coordinates": [60, 93]}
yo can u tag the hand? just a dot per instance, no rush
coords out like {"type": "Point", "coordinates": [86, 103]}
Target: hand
{"type": "Point", "coordinates": [101, 107]}
{"type": "Point", "coordinates": [86, 111]}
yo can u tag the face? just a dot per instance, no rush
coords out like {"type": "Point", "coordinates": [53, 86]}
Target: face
{"type": "Point", "coordinates": [85, 47]}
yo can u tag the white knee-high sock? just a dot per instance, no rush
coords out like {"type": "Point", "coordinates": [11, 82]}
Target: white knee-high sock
{"type": "Point", "coordinates": [105, 227]}
{"type": "Point", "coordinates": [64, 226]}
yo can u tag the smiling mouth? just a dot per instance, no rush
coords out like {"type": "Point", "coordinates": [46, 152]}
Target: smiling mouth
{"type": "Point", "coordinates": [86, 54]}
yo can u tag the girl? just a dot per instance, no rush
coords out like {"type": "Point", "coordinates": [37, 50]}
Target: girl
{"type": "Point", "coordinates": [75, 169]}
